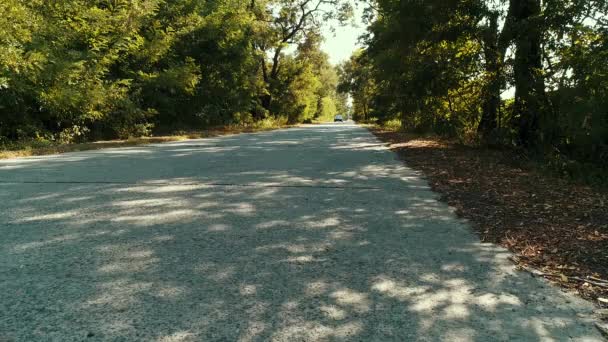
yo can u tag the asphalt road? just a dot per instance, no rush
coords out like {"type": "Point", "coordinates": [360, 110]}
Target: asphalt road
{"type": "Point", "coordinates": [306, 234]}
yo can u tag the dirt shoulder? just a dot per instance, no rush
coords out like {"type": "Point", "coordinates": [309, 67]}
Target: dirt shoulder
{"type": "Point", "coordinates": [36, 149]}
{"type": "Point", "coordinates": [557, 229]}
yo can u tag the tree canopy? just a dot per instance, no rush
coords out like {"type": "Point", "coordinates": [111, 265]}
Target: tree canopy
{"type": "Point", "coordinates": [524, 73]}
{"type": "Point", "coordinates": [91, 69]}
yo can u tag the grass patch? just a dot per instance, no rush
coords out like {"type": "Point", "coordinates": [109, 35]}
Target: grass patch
{"type": "Point", "coordinates": [392, 125]}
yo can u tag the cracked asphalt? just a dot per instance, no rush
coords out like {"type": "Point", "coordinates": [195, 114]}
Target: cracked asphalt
{"type": "Point", "coordinates": [316, 233]}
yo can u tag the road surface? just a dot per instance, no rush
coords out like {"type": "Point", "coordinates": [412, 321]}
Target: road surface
{"type": "Point", "coordinates": [306, 234]}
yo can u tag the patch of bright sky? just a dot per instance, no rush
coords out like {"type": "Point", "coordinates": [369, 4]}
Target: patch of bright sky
{"type": "Point", "coordinates": [341, 41]}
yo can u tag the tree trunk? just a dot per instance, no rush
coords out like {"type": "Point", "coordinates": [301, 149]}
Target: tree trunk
{"type": "Point", "coordinates": [529, 83]}
{"type": "Point", "coordinates": [491, 93]}
{"type": "Point", "coordinates": [404, 114]}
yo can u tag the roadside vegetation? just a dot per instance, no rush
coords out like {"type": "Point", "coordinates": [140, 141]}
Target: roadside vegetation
{"type": "Point", "coordinates": [38, 147]}
{"type": "Point", "coordinates": [524, 75]}
{"type": "Point", "coordinates": [89, 70]}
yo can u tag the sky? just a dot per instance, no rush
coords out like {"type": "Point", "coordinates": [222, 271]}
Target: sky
{"type": "Point", "coordinates": [342, 42]}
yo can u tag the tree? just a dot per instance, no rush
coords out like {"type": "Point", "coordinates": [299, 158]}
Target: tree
{"type": "Point", "coordinates": [288, 23]}
{"type": "Point", "coordinates": [443, 65]}
{"type": "Point", "coordinates": [356, 79]}
{"type": "Point", "coordinates": [89, 69]}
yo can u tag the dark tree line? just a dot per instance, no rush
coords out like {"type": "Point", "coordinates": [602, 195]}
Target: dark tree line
{"type": "Point", "coordinates": [515, 72]}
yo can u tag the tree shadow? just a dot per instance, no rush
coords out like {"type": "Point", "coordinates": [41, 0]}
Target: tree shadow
{"type": "Point", "coordinates": [331, 240]}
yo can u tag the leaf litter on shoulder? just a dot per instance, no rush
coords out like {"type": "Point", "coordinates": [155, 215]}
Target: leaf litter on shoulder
{"type": "Point", "coordinates": [552, 225]}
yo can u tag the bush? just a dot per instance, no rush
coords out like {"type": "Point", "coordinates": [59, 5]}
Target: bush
{"type": "Point", "coordinates": [73, 134]}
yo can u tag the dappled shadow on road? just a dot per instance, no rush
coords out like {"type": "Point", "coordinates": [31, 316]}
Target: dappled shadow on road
{"type": "Point", "coordinates": [302, 156]}
{"type": "Point", "coordinates": [279, 255]}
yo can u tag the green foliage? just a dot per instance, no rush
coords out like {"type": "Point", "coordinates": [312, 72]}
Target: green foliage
{"type": "Point", "coordinates": [441, 66]}
{"type": "Point", "coordinates": [327, 109]}
{"type": "Point", "coordinates": [91, 69]}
